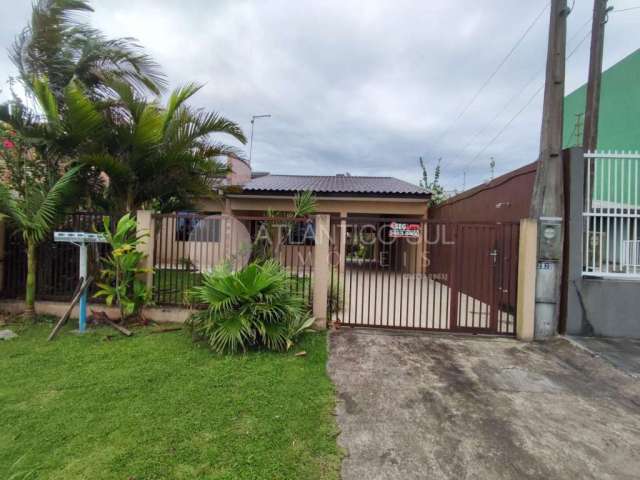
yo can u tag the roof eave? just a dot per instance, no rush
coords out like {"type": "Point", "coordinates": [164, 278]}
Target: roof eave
{"type": "Point", "coordinates": [290, 193]}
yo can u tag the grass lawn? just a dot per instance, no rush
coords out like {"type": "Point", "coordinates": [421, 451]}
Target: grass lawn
{"type": "Point", "coordinates": [155, 406]}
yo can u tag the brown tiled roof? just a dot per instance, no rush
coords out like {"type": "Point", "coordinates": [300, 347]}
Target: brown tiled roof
{"type": "Point", "coordinates": [333, 185]}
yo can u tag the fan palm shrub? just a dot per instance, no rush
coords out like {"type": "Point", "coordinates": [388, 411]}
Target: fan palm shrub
{"type": "Point", "coordinates": [254, 306]}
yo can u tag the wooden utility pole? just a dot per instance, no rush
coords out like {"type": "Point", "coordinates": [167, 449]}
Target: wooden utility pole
{"type": "Point", "coordinates": [590, 139]}
{"type": "Point", "coordinates": [547, 203]}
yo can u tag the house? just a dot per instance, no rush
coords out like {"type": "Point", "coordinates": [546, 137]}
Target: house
{"type": "Point", "coordinates": [342, 195]}
{"type": "Point", "coordinates": [619, 121]}
{"type": "Point", "coordinates": [247, 196]}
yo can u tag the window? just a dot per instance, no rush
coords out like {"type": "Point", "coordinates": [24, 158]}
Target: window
{"type": "Point", "coordinates": [302, 233]}
{"type": "Point", "coordinates": [196, 228]}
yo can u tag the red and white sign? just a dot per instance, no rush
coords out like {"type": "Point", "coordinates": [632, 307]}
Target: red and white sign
{"type": "Point", "coordinates": [404, 230]}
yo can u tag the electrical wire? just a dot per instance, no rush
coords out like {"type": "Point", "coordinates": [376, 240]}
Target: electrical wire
{"type": "Point", "coordinates": [519, 112]}
{"type": "Point", "coordinates": [491, 76]}
{"type": "Point", "coordinates": [515, 97]}
{"type": "Point", "coordinates": [625, 9]}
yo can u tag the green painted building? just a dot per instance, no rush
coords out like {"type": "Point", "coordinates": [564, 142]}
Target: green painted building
{"type": "Point", "coordinates": [616, 180]}
{"type": "Point", "coordinates": [619, 123]}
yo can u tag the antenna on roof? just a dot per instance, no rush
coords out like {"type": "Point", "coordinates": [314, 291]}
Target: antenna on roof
{"type": "Point", "coordinates": [253, 121]}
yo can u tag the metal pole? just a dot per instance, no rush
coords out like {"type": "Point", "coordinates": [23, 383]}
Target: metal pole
{"type": "Point", "coordinates": [82, 323]}
{"type": "Point", "coordinates": [253, 121]}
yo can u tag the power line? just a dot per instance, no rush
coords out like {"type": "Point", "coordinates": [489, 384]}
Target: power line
{"type": "Point", "coordinates": [512, 119]}
{"type": "Point", "coordinates": [492, 75]}
{"type": "Point", "coordinates": [515, 97]}
{"type": "Point", "coordinates": [625, 9]}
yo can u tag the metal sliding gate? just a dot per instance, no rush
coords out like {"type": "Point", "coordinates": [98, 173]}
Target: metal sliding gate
{"type": "Point", "coordinates": [426, 275]}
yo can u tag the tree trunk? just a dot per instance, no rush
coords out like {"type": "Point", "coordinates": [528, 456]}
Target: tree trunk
{"type": "Point", "coordinates": [130, 201]}
{"type": "Point", "coordinates": [30, 292]}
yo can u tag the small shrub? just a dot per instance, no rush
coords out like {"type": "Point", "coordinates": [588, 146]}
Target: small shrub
{"type": "Point", "coordinates": [251, 307]}
{"type": "Point", "coordinates": [120, 269]}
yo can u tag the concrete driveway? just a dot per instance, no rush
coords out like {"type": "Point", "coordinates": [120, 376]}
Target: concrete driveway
{"type": "Point", "coordinates": [424, 406]}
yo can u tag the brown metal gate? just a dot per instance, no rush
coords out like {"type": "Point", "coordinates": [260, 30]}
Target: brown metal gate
{"type": "Point", "coordinates": [415, 274]}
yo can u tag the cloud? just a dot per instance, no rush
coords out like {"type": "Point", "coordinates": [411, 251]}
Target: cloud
{"type": "Point", "coordinates": [362, 86]}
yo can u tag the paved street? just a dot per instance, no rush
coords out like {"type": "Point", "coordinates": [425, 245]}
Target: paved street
{"type": "Point", "coordinates": [427, 406]}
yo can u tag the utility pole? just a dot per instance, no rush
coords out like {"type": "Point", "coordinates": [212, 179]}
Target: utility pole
{"type": "Point", "coordinates": [590, 139]}
{"type": "Point", "coordinates": [492, 166]}
{"type": "Point", "coordinates": [547, 203]}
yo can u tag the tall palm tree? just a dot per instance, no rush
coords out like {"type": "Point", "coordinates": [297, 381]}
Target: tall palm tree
{"type": "Point", "coordinates": [34, 187]}
{"type": "Point", "coordinates": [162, 156]}
{"type": "Point", "coordinates": [56, 44]}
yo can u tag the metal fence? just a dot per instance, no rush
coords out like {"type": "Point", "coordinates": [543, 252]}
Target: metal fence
{"type": "Point", "coordinates": [187, 245]}
{"type": "Point", "coordinates": [611, 245]}
{"type": "Point", "coordinates": [427, 275]}
{"type": "Point", "coordinates": [58, 263]}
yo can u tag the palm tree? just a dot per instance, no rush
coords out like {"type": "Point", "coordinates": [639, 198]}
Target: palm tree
{"type": "Point", "coordinates": [35, 215]}
{"type": "Point", "coordinates": [161, 156]}
{"type": "Point", "coordinates": [57, 45]}
{"type": "Point", "coordinates": [34, 188]}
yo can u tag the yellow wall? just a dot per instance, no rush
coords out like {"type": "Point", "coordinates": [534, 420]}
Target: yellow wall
{"type": "Point", "coordinates": [350, 206]}
{"type": "Point", "coordinates": [205, 255]}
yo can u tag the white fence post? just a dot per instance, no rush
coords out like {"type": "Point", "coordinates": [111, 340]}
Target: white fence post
{"type": "Point", "coordinates": [321, 271]}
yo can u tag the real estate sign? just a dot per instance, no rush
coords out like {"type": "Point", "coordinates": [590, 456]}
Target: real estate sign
{"type": "Point", "coordinates": [404, 230]}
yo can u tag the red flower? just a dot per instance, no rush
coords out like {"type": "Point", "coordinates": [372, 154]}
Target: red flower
{"type": "Point", "coordinates": [8, 144]}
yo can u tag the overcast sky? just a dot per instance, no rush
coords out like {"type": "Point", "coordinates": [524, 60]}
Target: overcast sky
{"type": "Point", "coordinates": [364, 87]}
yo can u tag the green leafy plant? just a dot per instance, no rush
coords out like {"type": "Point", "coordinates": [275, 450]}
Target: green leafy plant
{"type": "Point", "coordinates": [162, 155]}
{"type": "Point", "coordinates": [121, 269]}
{"type": "Point", "coordinates": [438, 195]}
{"type": "Point", "coordinates": [32, 196]}
{"type": "Point", "coordinates": [58, 43]}
{"type": "Point", "coordinates": [274, 232]}
{"type": "Point", "coordinates": [250, 307]}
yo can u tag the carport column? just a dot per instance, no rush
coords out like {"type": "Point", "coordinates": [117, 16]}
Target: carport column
{"type": "Point", "coordinates": [145, 227]}
{"type": "Point", "coordinates": [321, 268]}
{"type": "Point", "coordinates": [2, 246]}
{"type": "Point", "coordinates": [343, 242]}
{"type": "Point", "coordinates": [527, 261]}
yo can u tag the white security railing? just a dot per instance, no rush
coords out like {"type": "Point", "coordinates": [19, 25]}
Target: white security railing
{"type": "Point", "coordinates": [611, 245]}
